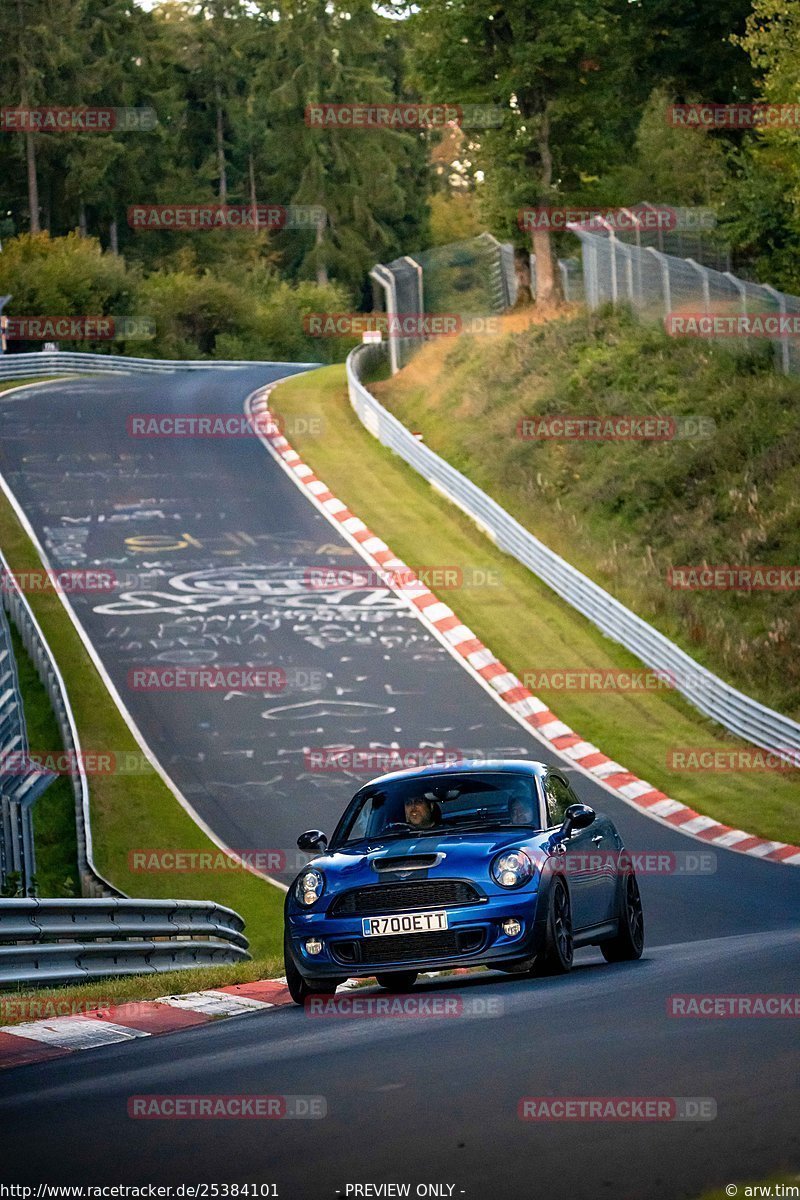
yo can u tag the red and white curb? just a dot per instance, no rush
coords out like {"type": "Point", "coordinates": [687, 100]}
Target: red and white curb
{"type": "Point", "coordinates": [506, 688]}
{"type": "Point", "coordinates": [40, 1041]}
{"type": "Point", "coordinates": [54, 1037]}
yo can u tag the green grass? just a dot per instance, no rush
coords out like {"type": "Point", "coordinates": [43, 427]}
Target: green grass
{"type": "Point", "coordinates": [54, 811]}
{"type": "Point", "coordinates": [7, 384]}
{"type": "Point", "coordinates": [625, 512]}
{"type": "Point", "coordinates": [522, 621]}
{"type": "Point", "coordinates": [130, 811]}
{"type": "Point", "coordinates": [20, 1005]}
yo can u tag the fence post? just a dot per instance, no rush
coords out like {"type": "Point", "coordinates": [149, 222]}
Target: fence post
{"type": "Point", "coordinates": [703, 272]}
{"type": "Point", "coordinates": [418, 269]}
{"type": "Point", "coordinates": [637, 224]}
{"type": "Point", "coordinates": [665, 280]}
{"type": "Point", "coordinates": [564, 278]}
{"type": "Point", "coordinates": [741, 289]}
{"type": "Point", "coordinates": [781, 299]}
{"type": "Point", "coordinates": [390, 298]}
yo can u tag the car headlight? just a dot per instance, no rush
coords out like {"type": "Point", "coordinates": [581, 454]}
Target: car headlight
{"type": "Point", "coordinates": [512, 869]}
{"type": "Point", "coordinates": [309, 887]}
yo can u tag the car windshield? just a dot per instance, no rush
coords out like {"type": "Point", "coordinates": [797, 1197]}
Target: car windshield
{"type": "Point", "coordinates": [417, 806]}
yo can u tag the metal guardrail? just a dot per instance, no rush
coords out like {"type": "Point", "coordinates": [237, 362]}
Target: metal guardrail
{"type": "Point", "coordinates": [736, 712]}
{"type": "Point", "coordinates": [65, 941]}
{"type": "Point", "coordinates": [16, 605]}
{"type": "Point", "coordinates": [21, 784]}
{"type": "Point", "coordinates": [66, 362]}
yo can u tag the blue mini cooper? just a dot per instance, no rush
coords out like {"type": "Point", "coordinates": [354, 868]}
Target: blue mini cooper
{"type": "Point", "coordinates": [493, 863]}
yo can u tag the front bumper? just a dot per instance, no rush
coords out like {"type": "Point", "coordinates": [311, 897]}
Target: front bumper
{"type": "Point", "coordinates": [474, 937]}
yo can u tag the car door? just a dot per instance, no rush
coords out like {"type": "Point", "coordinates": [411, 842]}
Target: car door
{"type": "Point", "coordinates": [558, 797]}
{"type": "Point", "coordinates": [598, 844]}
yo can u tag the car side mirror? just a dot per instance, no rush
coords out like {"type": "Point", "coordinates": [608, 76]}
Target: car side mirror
{"type": "Point", "coordinates": [577, 816]}
{"type": "Point", "coordinates": [312, 840]}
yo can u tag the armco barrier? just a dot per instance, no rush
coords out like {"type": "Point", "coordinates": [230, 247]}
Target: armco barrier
{"type": "Point", "coordinates": [20, 787]}
{"type": "Point", "coordinates": [67, 362]}
{"type": "Point", "coordinates": [64, 941]}
{"type": "Point", "coordinates": [17, 607]}
{"type": "Point", "coordinates": [739, 714]}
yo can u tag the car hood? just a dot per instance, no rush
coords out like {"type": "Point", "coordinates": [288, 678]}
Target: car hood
{"type": "Point", "coordinates": [450, 854]}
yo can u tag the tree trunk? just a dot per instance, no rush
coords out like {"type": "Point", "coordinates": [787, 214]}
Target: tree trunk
{"type": "Point", "coordinates": [113, 236]}
{"type": "Point", "coordinates": [33, 184]}
{"type": "Point", "coordinates": [30, 144]}
{"type": "Point", "coordinates": [522, 273]}
{"type": "Point", "coordinates": [82, 226]}
{"type": "Point", "coordinates": [322, 270]}
{"type": "Point", "coordinates": [548, 276]}
{"type": "Point", "coordinates": [223, 176]}
{"type": "Point", "coordinates": [251, 169]}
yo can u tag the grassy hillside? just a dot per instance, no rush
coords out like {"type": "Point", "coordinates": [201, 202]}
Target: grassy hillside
{"type": "Point", "coordinates": [524, 622]}
{"type": "Point", "coordinates": [626, 512]}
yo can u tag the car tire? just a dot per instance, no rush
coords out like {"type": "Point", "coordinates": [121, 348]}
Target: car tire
{"type": "Point", "coordinates": [628, 944]}
{"type": "Point", "coordinates": [300, 988]}
{"type": "Point", "coordinates": [397, 981]}
{"type": "Point", "coordinates": [556, 956]}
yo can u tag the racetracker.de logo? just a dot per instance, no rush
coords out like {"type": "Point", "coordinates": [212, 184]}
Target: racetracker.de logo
{"type": "Point", "coordinates": [376, 758]}
{"type": "Point", "coordinates": [369, 117]}
{"type": "Point", "coordinates": [382, 116]}
{"type": "Point", "coordinates": [207, 216]}
{"type": "Point", "coordinates": [729, 578]}
{"type": "Point", "coordinates": [734, 1006]}
{"type": "Point", "coordinates": [394, 325]}
{"type": "Point", "coordinates": [712, 758]}
{"type": "Point", "coordinates": [77, 329]}
{"type": "Point", "coordinates": [645, 218]}
{"type": "Point", "coordinates": [433, 577]}
{"type": "Point", "coordinates": [566, 680]}
{"type": "Point", "coordinates": [436, 1005]}
{"type": "Point", "coordinates": [627, 427]}
{"type": "Point", "coordinates": [154, 860]}
{"type": "Point", "coordinates": [617, 1108]}
{"type": "Point", "coordinates": [226, 1108]}
{"type": "Point", "coordinates": [207, 679]}
{"type": "Point", "coordinates": [42, 1006]}
{"type": "Point", "coordinates": [202, 425]}
{"type": "Point", "coordinates": [68, 581]}
{"type": "Point", "coordinates": [70, 762]}
{"type": "Point", "coordinates": [61, 119]}
{"type": "Point", "coordinates": [772, 326]}
{"type": "Point", "coordinates": [733, 116]}
{"type": "Point", "coordinates": [636, 862]}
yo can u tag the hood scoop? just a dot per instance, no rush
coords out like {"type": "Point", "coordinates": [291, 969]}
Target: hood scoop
{"type": "Point", "coordinates": [407, 862]}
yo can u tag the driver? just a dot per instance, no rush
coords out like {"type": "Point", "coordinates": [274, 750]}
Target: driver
{"type": "Point", "coordinates": [420, 812]}
{"type": "Point", "coordinates": [521, 808]}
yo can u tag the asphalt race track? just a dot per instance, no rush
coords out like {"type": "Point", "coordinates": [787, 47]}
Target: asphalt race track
{"type": "Point", "coordinates": [221, 542]}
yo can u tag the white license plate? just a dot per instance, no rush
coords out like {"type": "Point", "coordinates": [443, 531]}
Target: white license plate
{"type": "Point", "coordinates": [420, 922]}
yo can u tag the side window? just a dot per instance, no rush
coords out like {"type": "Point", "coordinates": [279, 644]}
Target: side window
{"type": "Point", "coordinates": [573, 799]}
{"type": "Point", "coordinates": [559, 796]}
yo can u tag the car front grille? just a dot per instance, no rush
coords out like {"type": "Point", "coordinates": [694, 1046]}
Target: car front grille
{"type": "Point", "coordinates": [400, 897]}
{"type": "Point", "coordinates": [409, 947]}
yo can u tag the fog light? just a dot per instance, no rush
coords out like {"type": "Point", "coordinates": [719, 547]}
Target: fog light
{"type": "Point", "coordinates": [313, 946]}
{"type": "Point", "coordinates": [511, 927]}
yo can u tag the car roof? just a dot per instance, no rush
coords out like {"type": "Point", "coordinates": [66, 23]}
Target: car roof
{"type": "Point", "coordinates": [511, 766]}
